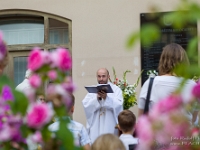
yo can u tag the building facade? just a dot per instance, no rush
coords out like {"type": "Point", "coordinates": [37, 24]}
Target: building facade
{"type": "Point", "coordinates": [94, 31]}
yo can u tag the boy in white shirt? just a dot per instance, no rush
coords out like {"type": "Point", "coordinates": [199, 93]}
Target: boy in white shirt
{"type": "Point", "coordinates": [81, 137]}
{"type": "Point", "coordinates": [127, 121]}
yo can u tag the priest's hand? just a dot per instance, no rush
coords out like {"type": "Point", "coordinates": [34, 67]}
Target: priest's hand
{"type": "Point", "coordinates": [102, 94]}
{"type": "Point", "coordinates": [99, 97]}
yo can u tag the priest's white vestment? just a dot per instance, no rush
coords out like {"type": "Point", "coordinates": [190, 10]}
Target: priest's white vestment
{"type": "Point", "coordinates": [102, 115]}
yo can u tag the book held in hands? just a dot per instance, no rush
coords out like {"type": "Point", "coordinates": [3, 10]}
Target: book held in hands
{"type": "Point", "coordinates": [100, 87]}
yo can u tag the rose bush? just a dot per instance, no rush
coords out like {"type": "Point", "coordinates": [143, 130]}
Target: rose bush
{"type": "Point", "coordinates": [23, 121]}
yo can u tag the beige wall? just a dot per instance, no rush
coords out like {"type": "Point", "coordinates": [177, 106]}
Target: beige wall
{"type": "Point", "coordinates": [100, 29]}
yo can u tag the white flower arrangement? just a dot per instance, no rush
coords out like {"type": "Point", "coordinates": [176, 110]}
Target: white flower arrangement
{"type": "Point", "coordinates": [128, 90]}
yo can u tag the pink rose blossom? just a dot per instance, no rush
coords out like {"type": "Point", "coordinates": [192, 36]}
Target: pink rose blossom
{"type": "Point", "coordinates": [145, 133]}
{"type": "Point", "coordinates": [46, 57]}
{"type": "Point", "coordinates": [4, 109]}
{"type": "Point", "coordinates": [35, 60]}
{"type": "Point", "coordinates": [196, 90]}
{"type": "Point", "coordinates": [37, 137]}
{"type": "Point", "coordinates": [38, 115]}
{"type": "Point", "coordinates": [60, 90]}
{"type": "Point", "coordinates": [5, 133]}
{"type": "Point", "coordinates": [170, 103]}
{"type": "Point", "coordinates": [144, 129]}
{"type": "Point", "coordinates": [69, 85]}
{"type": "Point", "coordinates": [62, 59]}
{"type": "Point", "coordinates": [7, 93]}
{"type": "Point", "coordinates": [52, 74]}
{"type": "Point", "coordinates": [35, 81]}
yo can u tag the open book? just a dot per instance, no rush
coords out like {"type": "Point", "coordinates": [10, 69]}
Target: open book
{"type": "Point", "coordinates": [100, 87]}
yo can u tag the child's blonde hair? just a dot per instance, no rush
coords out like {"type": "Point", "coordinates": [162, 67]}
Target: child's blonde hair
{"type": "Point", "coordinates": [108, 142]}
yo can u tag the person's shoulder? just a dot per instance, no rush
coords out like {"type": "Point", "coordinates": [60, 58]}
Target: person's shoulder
{"type": "Point", "coordinates": [189, 84]}
{"type": "Point", "coordinates": [146, 83]}
{"type": "Point", "coordinates": [76, 124]}
{"type": "Point", "coordinates": [167, 78]}
{"type": "Point", "coordinates": [20, 87]}
{"type": "Point", "coordinates": [54, 126]}
{"type": "Point", "coordinates": [24, 83]}
{"type": "Point", "coordinates": [192, 82]}
{"type": "Point", "coordinates": [121, 137]}
{"type": "Point", "coordinates": [128, 138]}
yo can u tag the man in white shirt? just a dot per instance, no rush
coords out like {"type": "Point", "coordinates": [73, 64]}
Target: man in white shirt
{"type": "Point", "coordinates": [102, 108]}
{"type": "Point", "coordinates": [80, 134]}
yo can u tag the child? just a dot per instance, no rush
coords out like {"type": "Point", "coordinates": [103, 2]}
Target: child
{"type": "Point", "coordinates": [127, 121]}
{"type": "Point", "coordinates": [107, 142]}
{"type": "Point", "coordinates": [41, 98]}
{"type": "Point", "coordinates": [80, 134]}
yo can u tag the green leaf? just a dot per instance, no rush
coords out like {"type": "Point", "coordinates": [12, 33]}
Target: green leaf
{"type": "Point", "coordinates": [192, 50]}
{"type": "Point", "coordinates": [149, 34]}
{"type": "Point", "coordinates": [60, 111]}
{"type": "Point", "coordinates": [124, 74]}
{"type": "Point", "coordinates": [20, 104]}
{"type": "Point", "coordinates": [65, 135]}
{"type": "Point", "coordinates": [78, 148]}
{"type": "Point", "coordinates": [25, 130]}
{"type": "Point", "coordinates": [46, 134]}
{"type": "Point", "coordinates": [187, 71]}
{"type": "Point", "coordinates": [179, 18]}
{"type": "Point", "coordinates": [132, 39]}
{"type": "Point", "coordinates": [138, 79]}
{"type": "Point", "coordinates": [4, 80]}
{"type": "Point", "coordinates": [194, 13]}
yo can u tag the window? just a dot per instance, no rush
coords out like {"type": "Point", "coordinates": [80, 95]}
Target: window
{"type": "Point", "coordinates": [24, 30]}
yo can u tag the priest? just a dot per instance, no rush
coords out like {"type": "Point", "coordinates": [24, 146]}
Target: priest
{"type": "Point", "coordinates": [102, 109]}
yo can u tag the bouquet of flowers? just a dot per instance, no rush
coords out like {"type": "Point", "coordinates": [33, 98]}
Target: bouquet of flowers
{"type": "Point", "coordinates": [129, 91]}
{"type": "Point", "coordinates": [24, 121]}
{"type": "Point", "coordinates": [152, 72]}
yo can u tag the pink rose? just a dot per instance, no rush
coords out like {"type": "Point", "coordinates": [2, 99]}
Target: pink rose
{"type": "Point", "coordinates": [38, 115]}
{"type": "Point", "coordinates": [58, 89]}
{"type": "Point", "coordinates": [144, 129]}
{"type": "Point", "coordinates": [69, 85]}
{"type": "Point", "coordinates": [52, 74]}
{"type": "Point", "coordinates": [5, 132]}
{"type": "Point", "coordinates": [145, 133]}
{"type": "Point", "coordinates": [37, 137]}
{"type": "Point", "coordinates": [170, 103]}
{"type": "Point", "coordinates": [35, 81]}
{"type": "Point", "coordinates": [62, 59]}
{"type": "Point", "coordinates": [196, 90]}
{"type": "Point", "coordinates": [46, 57]}
{"type": "Point", "coordinates": [35, 59]}
{"type": "Point", "coordinates": [7, 93]}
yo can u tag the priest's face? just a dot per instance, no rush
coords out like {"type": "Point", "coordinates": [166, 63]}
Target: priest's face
{"type": "Point", "coordinates": [102, 76]}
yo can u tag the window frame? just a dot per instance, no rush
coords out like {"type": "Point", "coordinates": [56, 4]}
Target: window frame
{"type": "Point", "coordinates": [24, 49]}
{"type": "Point", "coordinates": [31, 14]}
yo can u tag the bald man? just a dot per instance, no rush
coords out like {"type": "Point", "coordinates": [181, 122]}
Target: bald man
{"type": "Point", "coordinates": [102, 108]}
